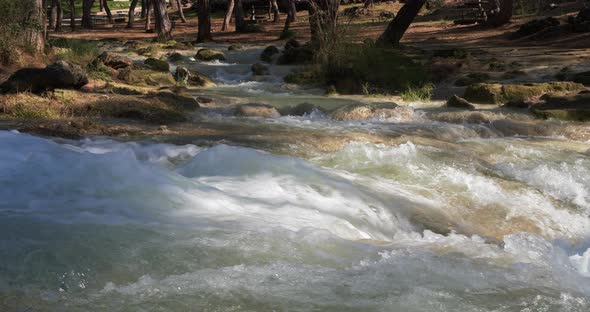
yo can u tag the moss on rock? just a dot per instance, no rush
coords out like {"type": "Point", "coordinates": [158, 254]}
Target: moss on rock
{"type": "Point", "coordinates": [157, 65]}
{"type": "Point", "coordinates": [146, 77]}
{"type": "Point", "coordinates": [361, 111]}
{"type": "Point", "coordinates": [210, 55]}
{"type": "Point", "coordinates": [494, 93]}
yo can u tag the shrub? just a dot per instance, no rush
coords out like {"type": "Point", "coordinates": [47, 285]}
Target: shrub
{"type": "Point", "coordinates": [414, 94]}
{"type": "Point", "coordinates": [77, 51]}
{"type": "Point", "coordinates": [372, 68]}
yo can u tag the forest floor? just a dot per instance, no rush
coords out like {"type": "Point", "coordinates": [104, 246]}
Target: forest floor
{"type": "Point", "coordinates": [488, 47]}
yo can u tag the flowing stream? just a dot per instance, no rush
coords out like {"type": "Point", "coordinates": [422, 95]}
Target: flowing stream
{"type": "Point", "coordinates": [439, 216]}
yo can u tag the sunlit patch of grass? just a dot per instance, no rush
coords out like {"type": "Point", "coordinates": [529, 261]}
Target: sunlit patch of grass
{"type": "Point", "coordinates": [415, 94]}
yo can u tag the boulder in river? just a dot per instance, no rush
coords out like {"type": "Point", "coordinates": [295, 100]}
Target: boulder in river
{"type": "Point", "coordinates": [495, 93]}
{"type": "Point", "coordinates": [297, 54]}
{"type": "Point", "coordinates": [210, 55]}
{"type": "Point", "coordinates": [458, 102]}
{"type": "Point", "coordinates": [113, 60]}
{"type": "Point", "coordinates": [192, 77]}
{"type": "Point", "coordinates": [268, 53]}
{"type": "Point", "coordinates": [257, 110]}
{"type": "Point", "coordinates": [303, 109]}
{"type": "Point", "coordinates": [361, 111]}
{"type": "Point", "coordinates": [260, 69]}
{"type": "Point", "coordinates": [157, 65]}
{"type": "Point", "coordinates": [573, 107]}
{"type": "Point", "coordinates": [175, 57]}
{"type": "Point", "coordinates": [59, 75]}
{"type": "Point", "coordinates": [235, 47]}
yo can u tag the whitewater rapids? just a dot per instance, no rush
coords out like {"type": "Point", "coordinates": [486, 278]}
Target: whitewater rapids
{"type": "Point", "coordinates": [475, 211]}
{"type": "Point", "coordinates": [100, 224]}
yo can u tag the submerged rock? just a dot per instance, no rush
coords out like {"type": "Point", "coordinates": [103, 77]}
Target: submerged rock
{"type": "Point", "coordinates": [260, 69]}
{"type": "Point", "coordinates": [113, 60]}
{"type": "Point", "coordinates": [362, 111]}
{"type": "Point", "coordinates": [157, 65]}
{"type": "Point", "coordinates": [257, 110]}
{"type": "Point", "coordinates": [268, 53]}
{"type": "Point", "coordinates": [495, 93]}
{"type": "Point", "coordinates": [59, 75]}
{"type": "Point", "coordinates": [457, 102]}
{"type": "Point", "coordinates": [303, 109]}
{"type": "Point", "coordinates": [235, 47]}
{"type": "Point", "coordinates": [210, 55]}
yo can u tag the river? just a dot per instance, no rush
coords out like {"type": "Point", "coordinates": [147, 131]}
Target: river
{"type": "Point", "coordinates": [410, 213]}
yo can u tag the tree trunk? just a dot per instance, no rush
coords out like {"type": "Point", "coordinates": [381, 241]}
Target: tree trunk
{"type": "Point", "coordinates": [86, 13]}
{"type": "Point", "coordinates": [275, 11]}
{"type": "Point", "coordinates": [323, 16]}
{"type": "Point", "coordinates": [148, 18]}
{"type": "Point", "coordinates": [101, 8]}
{"type": "Point", "coordinates": [291, 15]}
{"type": "Point", "coordinates": [60, 15]}
{"type": "Point", "coordinates": [131, 14]}
{"type": "Point", "coordinates": [73, 15]}
{"type": "Point", "coordinates": [173, 5]}
{"type": "Point", "coordinates": [180, 11]}
{"type": "Point", "coordinates": [240, 21]}
{"type": "Point", "coordinates": [204, 21]}
{"type": "Point", "coordinates": [228, 14]}
{"type": "Point", "coordinates": [501, 14]}
{"type": "Point", "coordinates": [398, 26]}
{"type": "Point", "coordinates": [292, 11]}
{"type": "Point", "coordinates": [35, 34]}
{"type": "Point", "coordinates": [53, 16]}
{"type": "Point", "coordinates": [144, 7]}
{"type": "Point", "coordinates": [163, 25]}
{"type": "Point", "coordinates": [108, 10]}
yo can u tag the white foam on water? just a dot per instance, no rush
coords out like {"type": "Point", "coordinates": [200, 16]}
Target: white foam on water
{"type": "Point", "coordinates": [156, 226]}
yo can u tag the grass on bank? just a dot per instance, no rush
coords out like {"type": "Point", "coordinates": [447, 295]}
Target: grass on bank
{"type": "Point", "coordinates": [155, 108]}
{"type": "Point", "coordinates": [354, 68]}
